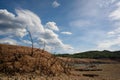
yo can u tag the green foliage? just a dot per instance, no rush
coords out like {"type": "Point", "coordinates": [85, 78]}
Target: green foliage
{"type": "Point", "coordinates": [62, 55]}
{"type": "Point", "coordinates": [93, 54]}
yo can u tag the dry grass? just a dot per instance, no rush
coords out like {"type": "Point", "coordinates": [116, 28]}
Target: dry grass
{"type": "Point", "coordinates": [17, 59]}
{"type": "Point", "coordinates": [16, 63]}
{"type": "Point", "coordinates": [109, 72]}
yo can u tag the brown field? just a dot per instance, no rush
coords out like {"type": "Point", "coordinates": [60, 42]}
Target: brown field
{"type": "Point", "coordinates": [27, 67]}
{"type": "Point", "coordinates": [107, 71]}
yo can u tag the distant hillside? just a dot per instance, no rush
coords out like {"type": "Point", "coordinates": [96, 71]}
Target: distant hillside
{"type": "Point", "coordinates": [93, 54]}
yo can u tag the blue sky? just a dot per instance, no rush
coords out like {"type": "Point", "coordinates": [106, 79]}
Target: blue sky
{"type": "Point", "coordinates": [65, 26]}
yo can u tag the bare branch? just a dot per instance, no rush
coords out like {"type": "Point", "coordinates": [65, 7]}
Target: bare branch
{"type": "Point", "coordinates": [31, 41]}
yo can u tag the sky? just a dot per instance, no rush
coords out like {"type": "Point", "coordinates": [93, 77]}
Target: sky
{"type": "Point", "coordinates": [62, 26]}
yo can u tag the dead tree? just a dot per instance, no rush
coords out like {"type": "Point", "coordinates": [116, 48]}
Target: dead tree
{"type": "Point", "coordinates": [31, 42]}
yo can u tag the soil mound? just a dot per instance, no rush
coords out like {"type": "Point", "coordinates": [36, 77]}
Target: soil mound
{"type": "Point", "coordinates": [18, 59]}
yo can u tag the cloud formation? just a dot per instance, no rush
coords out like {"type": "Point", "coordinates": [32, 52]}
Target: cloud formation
{"type": "Point", "coordinates": [55, 4]}
{"type": "Point", "coordinates": [80, 23]}
{"type": "Point", "coordinates": [114, 35]}
{"type": "Point", "coordinates": [115, 15]}
{"type": "Point", "coordinates": [52, 26]}
{"type": "Point", "coordinates": [108, 44]}
{"type": "Point", "coordinates": [67, 33]}
{"type": "Point", "coordinates": [8, 41]}
{"type": "Point", "coordinates": [9, 24]}
{"type": "Point", "coordinates": [17, 25]}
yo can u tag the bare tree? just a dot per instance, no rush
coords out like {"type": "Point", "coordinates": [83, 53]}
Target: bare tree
{"type": "Point", "coordinates": [30, 35]}
{"type": "Point", "coordinates": [44, 45]}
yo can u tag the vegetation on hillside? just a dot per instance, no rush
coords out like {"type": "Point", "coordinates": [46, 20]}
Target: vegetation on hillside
{"type": "Point", "coordinates": [18, 59]}
{"type": "Point", "coordinates": [93, 54]}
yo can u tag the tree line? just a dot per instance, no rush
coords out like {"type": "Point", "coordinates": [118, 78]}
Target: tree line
{"type": "Point", "coordinates": [92, 54]}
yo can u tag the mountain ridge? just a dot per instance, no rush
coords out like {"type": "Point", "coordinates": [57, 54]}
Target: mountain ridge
{"type": "Point", "coordinates": [93, 54]}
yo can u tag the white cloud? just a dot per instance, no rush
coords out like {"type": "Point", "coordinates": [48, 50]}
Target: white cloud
{"type": "Point", "coordinates": [55, 4]}
{"type": "Point", "coordinates": [8, 24]}
{"type": "Point", "coordinates": [6, 16]}
{"type": "Point", "coordinates": [115, 15]}
{"type": "Point", "coordinates": [16, 26]}
{"type": "Point", "coordinates": [93, 9]}
{"type": "Point", "coordinates": [8, 41]}
{"type": "Point", "coordinates": [52, 26]}
{"type": "Point", "coordinates": [104, 45]}
{"type": "Point", "coordinates": [94, 13]}
{"type": "Point", "coordinates": [115, 32]}
{"type": "Point", "coordinates": [80, 23]}
{"type": "Point", "coordinates": [85, 8]}
{"type": "Point", "coordinates": [67, 33]}
{"type": "Point", "coordinates": [108, 44]}
{"type": "Point", "coordinates": [118, 4]}
{"type": "Point", "coordinates": [105, 3]}
{"type": "Point", "coordinates": [52, 40]}
{"type": "Point", "coordinates": [26, 41]}
{"type": "Point", "coordinates": [113, 35]}
{"type": "Point", "coordinates": [31, 21]}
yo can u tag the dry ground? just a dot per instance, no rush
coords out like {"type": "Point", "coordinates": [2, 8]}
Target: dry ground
{"type": "Point", "coordinates": [108, 72]}
{"type": "Point", "coordinates": [83, 69]}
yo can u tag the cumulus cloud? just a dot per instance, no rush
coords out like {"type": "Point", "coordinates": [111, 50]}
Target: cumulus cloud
{"type": "Point", "coordinates": [9, 26]}
{"type": "Point", "coordinates": [67, 33]}
{"type": "Point", "coordinates": [31, 21]}
{"type": "Point", "coordinates": [52, 40]}
{"type": "Point", "coordinates": [55, 4]}
{"type": "Point", "coordinates": [17, 25]}
{"type": "Point", "coordinates": [8, 41]}
{"type": "Point", "coordinates": [52, 26]}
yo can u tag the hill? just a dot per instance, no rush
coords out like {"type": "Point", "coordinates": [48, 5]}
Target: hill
{"type": "Point", "coordinates": [93, 54]}
{"type": "Point", "coordinates": [18, 59]}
